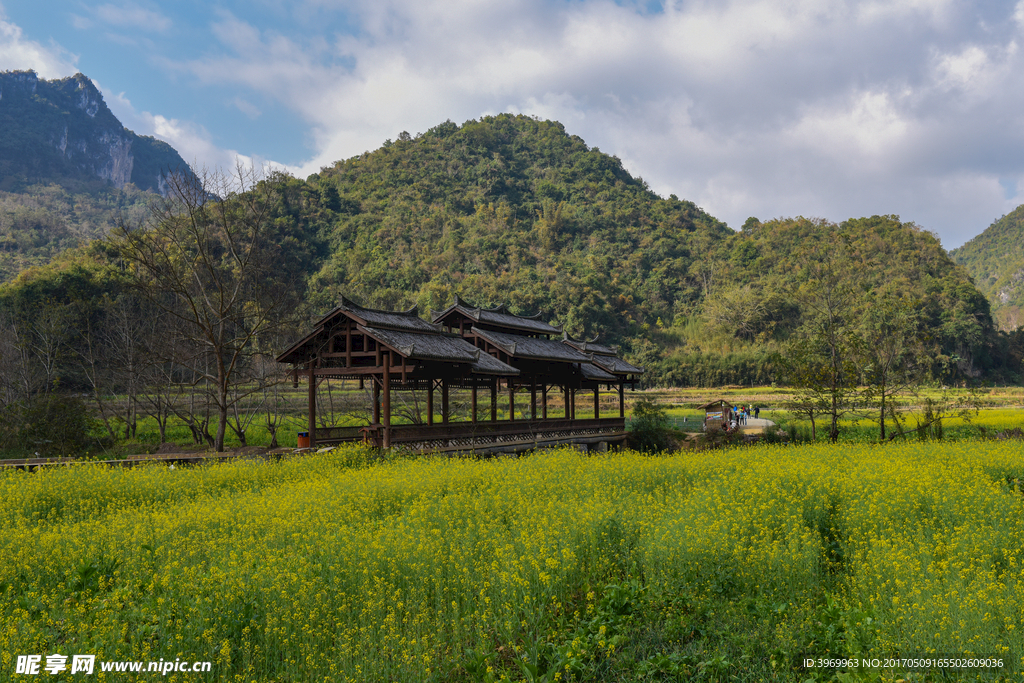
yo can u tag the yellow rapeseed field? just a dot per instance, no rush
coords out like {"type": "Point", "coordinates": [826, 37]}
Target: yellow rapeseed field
{"type": "Point", "coordinates": [718, 565]}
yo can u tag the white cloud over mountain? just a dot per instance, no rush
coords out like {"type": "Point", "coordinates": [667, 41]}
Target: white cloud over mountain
{"type": "Point", "coordinates": [831, 108]}
{"type": "Point", "coordinates": [19, 53]}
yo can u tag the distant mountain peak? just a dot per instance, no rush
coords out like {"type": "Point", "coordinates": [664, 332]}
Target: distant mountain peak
{"type": "Point", "coordinates": [63, 129]}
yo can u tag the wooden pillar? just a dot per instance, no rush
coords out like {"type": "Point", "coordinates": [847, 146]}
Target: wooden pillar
{"type": "Point", "coordinates": [387, 399]}
{"type": "Point", "coordinates": [295, 376]}
{"type": "Point", "coordinates": [622, 400]}
{"type": "Point", "coordinates": [572, 404]}
{"type": "Point", "coordinates": [348, 348]}
{"type": "Point", "coordinates": [494, 400]}
{"type": "Point", "coordinates": [533, 400]}
{"type": "Point", "coordinates": [312, 405]}
{"type": "Point", "coordinates": [444, 401]}
{"type": "Point", "coordinates": [376, 401]}
{"type": "Point", "coordinates": [544, 401]}
{"type": "Point", "coordinates": [430, 402]}
{"type": "Point", "coordinates": [474, 400]}
{"type": "Point", "coordinates": [511, 400]}
{"type": "Point", "coordinates": [565, 400]}
{"type": "Point", "coordinates": [597, 401]}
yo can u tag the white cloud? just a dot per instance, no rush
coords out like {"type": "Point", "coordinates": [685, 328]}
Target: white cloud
{"type": "Point", "coordinates": [832, 108]}
{"type": "Point", "coordinates": [133, 16]}
{"type": "Point", "coordinates": [246, 107]}
{"type": "Point", "coordinates": [866, 126]}
{"type": "Point", "coordinates": [192, 141]}
{"type": "Point", "coordinates": [20, 54]}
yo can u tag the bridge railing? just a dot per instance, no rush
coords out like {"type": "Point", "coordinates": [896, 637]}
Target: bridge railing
{"type": "Point", "coordinates": [474, 434]}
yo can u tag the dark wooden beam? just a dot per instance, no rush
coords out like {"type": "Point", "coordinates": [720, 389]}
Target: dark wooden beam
{"type": "Point", "coordinates": [511, 401]}
{"type": "Point", "coordinates": [387, 399]}
{"type": "Point", "coordinates": [312, 405]}
{"type": "Point", "coordinates": [376, 400]}
{"type": "Point", "coordinates": [430, 402]}
{"type": "Point", "coordinates": [348, 347]}
{"type": "Point", "coordinates": [368, 370]}
{"type": "Point", "coordinates": [444, 400]}
{"type": "Point", "coordinates": [494, 399]}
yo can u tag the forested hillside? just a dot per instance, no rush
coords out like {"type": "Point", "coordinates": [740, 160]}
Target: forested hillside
{"type": "Point", "coordinates": [69, 171]}
{"type": "Point", "coordinates": [42, 221]}
{"type": "Point", "coordinates": [995, 259]}
{"type": "Point", "coordinates": [511, 209]}
{"type": "Point", "coordinates": [762, 293]}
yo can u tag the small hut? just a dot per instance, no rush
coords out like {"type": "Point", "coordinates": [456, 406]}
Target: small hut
{"type": "Point", "coordinates": [716, 415]}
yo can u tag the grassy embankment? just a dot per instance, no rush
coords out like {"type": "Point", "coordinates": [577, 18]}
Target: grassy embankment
{"type": "Point", "coordinates": [347, 406]}
{"type": "Point", "coordinates": [721, 565]}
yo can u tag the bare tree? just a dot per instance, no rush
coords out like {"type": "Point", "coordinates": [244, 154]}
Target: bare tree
{"type": "Point", "coordinates": [17, 373]}
{"type": "Point", "coordinates": [207, 257]}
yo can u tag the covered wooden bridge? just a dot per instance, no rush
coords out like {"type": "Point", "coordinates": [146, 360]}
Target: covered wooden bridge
{"type": "Point", "coordinates": [500, 358]}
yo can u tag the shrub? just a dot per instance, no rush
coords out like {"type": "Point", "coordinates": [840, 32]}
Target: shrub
{"type": "Point", "coordinates": [649, 429]}
{"type": "Point", "coordinates": [52, 424]}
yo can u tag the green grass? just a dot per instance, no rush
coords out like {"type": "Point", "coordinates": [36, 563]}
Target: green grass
{"type": "Point", "coordinates": [1001, 411]}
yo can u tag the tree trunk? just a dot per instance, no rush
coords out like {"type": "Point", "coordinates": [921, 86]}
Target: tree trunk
{"type": "Point", "coordinates": [222, 405]}
{"type": "Point", "coordinates": [881, 416]}
{"type": "Point", "coordinates": [222, 425]}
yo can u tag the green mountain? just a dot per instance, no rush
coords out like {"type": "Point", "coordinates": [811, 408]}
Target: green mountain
{"type": "Point", "coordinates": [515, 210]}
{"type": "Point", "coordinates": [62, 129]}
{"type": "Point", "coordinates": [507, 209]}
{"type": "Point", "coordinates": [995, 259]}
{"type": "Point", "coordinates": [511, 209]}
{"type": "Point", "coordinates": [68, 168]}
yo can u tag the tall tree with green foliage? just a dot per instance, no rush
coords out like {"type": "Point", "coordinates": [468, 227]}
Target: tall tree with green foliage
{"type": "Point", "coordinates": [893, 352]}
{"type": "Point", "coordinates": [824, 358]}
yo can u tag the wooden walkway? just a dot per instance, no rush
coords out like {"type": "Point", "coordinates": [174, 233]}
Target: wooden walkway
{"type": "Point", "coordinates": [190, 458]}
{"type": "Point", "coordinates": [481, 438]}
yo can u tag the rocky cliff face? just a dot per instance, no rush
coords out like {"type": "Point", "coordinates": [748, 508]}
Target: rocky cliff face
{"type": "Point", "coordinates": [63, 128]}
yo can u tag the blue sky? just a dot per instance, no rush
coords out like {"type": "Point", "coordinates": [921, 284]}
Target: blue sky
{"type": "Point", "coordinates": [822, 108]}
